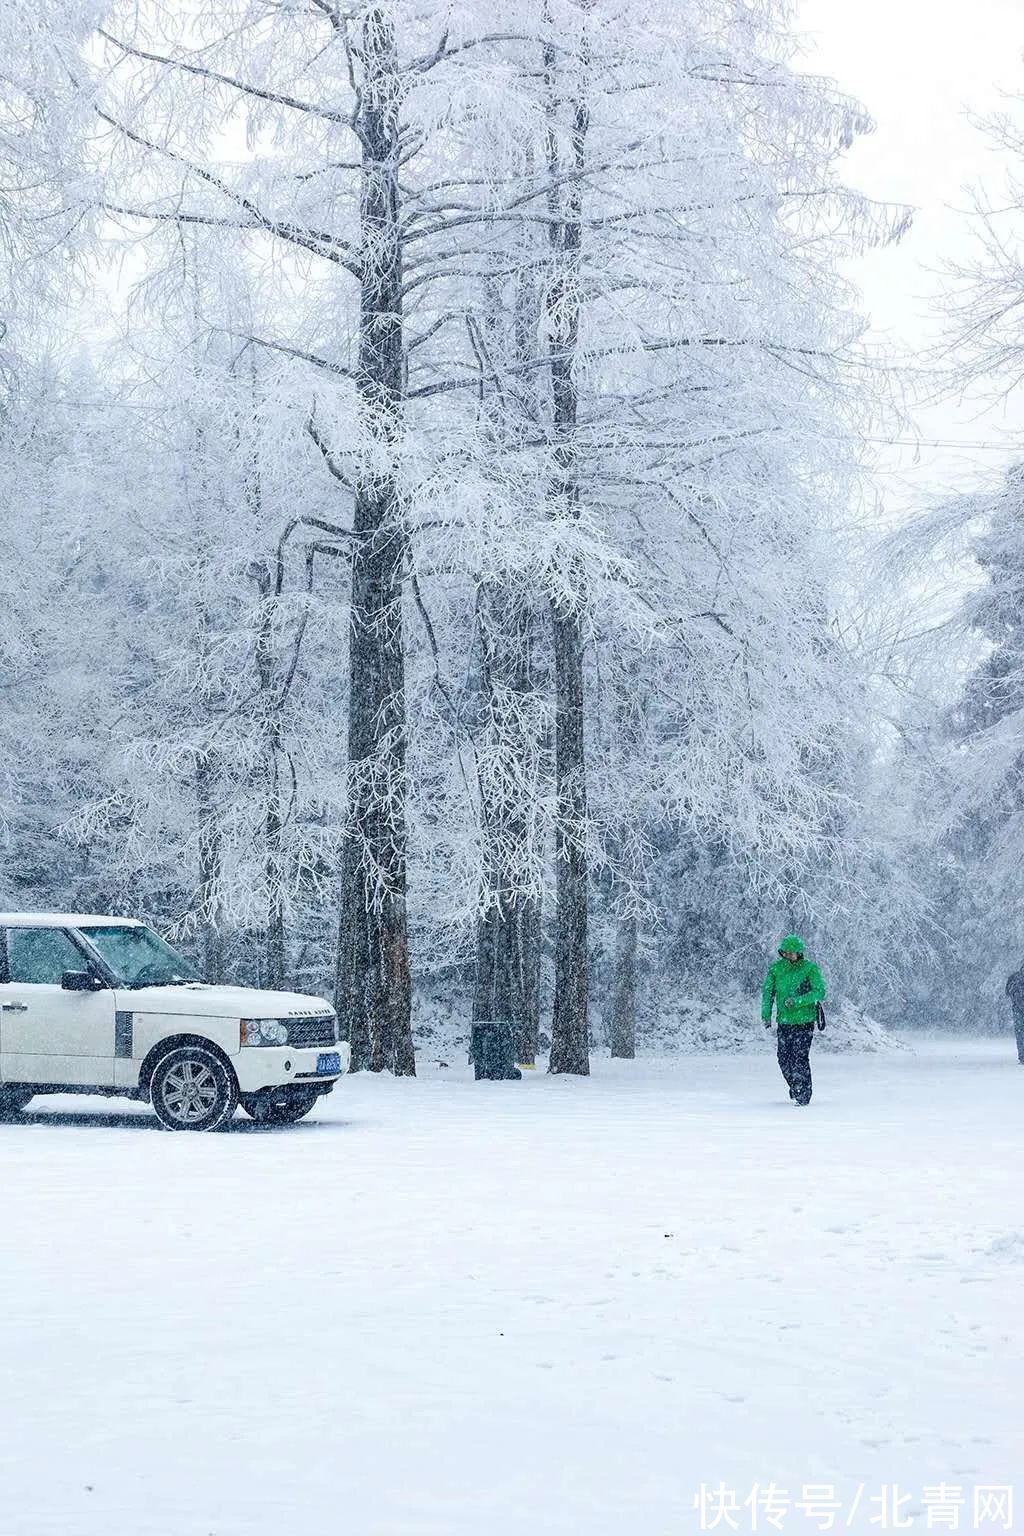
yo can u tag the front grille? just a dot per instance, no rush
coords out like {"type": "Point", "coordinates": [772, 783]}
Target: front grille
{"type": "Point", "coordinates": [318, 1031]}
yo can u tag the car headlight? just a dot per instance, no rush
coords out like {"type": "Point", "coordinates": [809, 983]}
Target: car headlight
{"type": "Point", "coordinates": [263, 1032]}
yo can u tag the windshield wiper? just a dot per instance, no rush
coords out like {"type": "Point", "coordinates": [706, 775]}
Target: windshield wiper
{"type": "Point", "coordinates": [163, 981]}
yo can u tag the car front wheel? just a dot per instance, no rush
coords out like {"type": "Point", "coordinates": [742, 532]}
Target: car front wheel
{"type": "Point", "coordinates": [193, 1090]}
{"type": "Point", "coordinates": [278, 1106]}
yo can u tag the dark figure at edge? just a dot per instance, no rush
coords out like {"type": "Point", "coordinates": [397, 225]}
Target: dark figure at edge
{"type": "Point", "coordinates": [1015, 992]}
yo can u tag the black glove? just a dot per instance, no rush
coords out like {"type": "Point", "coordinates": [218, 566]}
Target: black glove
{"type": "Point", "coordinates": [821, 1023]}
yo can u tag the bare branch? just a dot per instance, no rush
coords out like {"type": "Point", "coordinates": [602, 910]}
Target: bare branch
{"type": "Point", "coordinates": [297, 352]}
{"type": "Point", "coordinates": [246, 87]}
{"type": "Point", "coordinates": [328, 246]}
{"type": "Point", "coordinates": [332, 464]}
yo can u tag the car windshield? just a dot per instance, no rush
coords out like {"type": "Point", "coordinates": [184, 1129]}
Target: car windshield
{"type": "Point", "coordinates": [139, 957]}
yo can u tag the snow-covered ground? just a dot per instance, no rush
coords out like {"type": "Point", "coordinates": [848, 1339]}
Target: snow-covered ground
{"type": "Point", "coordinates": [442, 1308]}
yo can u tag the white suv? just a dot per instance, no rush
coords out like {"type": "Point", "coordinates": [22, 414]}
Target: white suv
{"type": "Point", "coordinates": [104, 1005]}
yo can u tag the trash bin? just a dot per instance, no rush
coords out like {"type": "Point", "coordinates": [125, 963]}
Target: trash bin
{"type": "Point", "coordinates": [492, 1050]}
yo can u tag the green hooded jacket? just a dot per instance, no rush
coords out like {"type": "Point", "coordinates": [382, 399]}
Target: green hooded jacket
{"type": "Point", "coordinates": [794, 986]}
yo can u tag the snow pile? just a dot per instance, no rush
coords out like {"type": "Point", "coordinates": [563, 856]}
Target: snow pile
{"type": "Point", "coordinates": [669, 1023]}
{"type": "Point", "coordinates": [734, 1024]}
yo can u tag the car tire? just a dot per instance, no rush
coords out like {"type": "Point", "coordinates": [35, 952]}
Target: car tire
{"type": "Point", "coordinates": [13, 1101]}
{"type": "Point", "coordinates": [282, 1106]}
{"type": "Point", "coordinates": [193, 1089]}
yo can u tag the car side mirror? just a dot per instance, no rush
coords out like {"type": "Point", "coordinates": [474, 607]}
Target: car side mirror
{"type": "Point", "coordinates": [81, 981]}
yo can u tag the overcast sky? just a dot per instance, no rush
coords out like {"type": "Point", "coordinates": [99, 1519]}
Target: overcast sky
{"type": "Point", "coordinates": [919, 66]}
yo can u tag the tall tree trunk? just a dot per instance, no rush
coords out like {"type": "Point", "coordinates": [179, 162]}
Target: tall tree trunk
{"type": "Point", "coordinates": [528, 952]}
{"type": "Point", "coordinates": [210, 915]}
{"type": "Point", "coordinates": [622, 1030]}
{"type": "Point", "coordinates": [273, 965]}
{"type": "Point", "coordinates": [569, 1030]}
{"type": "Point", "coordinates": [508, 934]}
{"type": "Point", "coordinates": [508, 972]}
{"type": "Point", "coordinates": [208, 810]}
{"type": "Point", "coordinates": [509, 931]}
{"type": "Point", "coordinates": [274, 955]}
{"type": "Point", "coordinates": [374, 990]}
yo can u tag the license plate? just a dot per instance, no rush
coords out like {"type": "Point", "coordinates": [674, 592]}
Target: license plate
{"type": "Point", "coordinates": [328, 1064]}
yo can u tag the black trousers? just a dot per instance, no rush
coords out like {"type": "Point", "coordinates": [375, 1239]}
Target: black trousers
{"type": "Point", "coordinates": [1018, 1029]}
{"type": "Point", "coordinates": [795, 1059]}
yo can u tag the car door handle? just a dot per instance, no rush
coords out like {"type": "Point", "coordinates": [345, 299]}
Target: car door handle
{"type": "Point", "coordinates": [14, 1007]}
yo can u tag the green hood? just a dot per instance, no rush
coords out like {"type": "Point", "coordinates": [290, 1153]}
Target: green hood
{"type": "Point", "coordinates": [794, 988]}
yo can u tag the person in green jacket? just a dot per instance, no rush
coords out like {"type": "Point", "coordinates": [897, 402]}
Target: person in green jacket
{"type": "Point", "coordinates": [795, 988]}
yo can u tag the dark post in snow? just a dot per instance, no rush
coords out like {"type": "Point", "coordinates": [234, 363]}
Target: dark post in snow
{"type": "Point", "coordinates": [373, 985]}
{"type": "Point", "coordinates": [569, 1030]}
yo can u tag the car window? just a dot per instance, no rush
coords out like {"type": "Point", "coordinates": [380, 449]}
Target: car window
{"type": "Point", "coordinates": [137, 956]}
{"type": "Point", "coordinates": [41, 955]}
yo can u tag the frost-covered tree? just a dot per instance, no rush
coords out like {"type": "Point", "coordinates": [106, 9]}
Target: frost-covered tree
{"type": "Point", "coordinates": [43, 116]}
{"type": "Point", "coordinates": [967, 553]}
{"type": "Point", "coordinates": [983, 350]}
{"type": "Point", "coordinates": [328, 100]}
{"type": "Point", "coordinates": [49, 436]}
{"type": "Point", "coordinates": [687, 431]}
{"type": "Point", "coordinates": [492, 373]}
{"type": "Point", "coordinates": [43, 439]}
{"type": "Point", "coordinates": [224, 795]}
{"type": "Point", "coordinates": [976, 877]}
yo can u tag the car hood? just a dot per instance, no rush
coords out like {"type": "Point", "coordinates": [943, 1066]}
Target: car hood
{"type": "Point", "coordinates": [206, 1000]}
